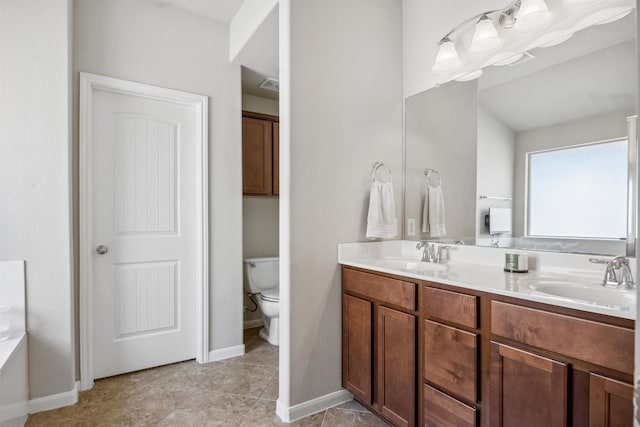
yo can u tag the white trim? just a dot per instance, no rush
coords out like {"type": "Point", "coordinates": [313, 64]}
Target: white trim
{"type": "Point", "coordinates": [255, 323]}
{"type": "Point", "coordinates": [13, 411]}
{"type": "Point", "coordinates": [226, 353]}
{"type": "Point", "coordinates": [88, 84]}
{"type": "Point", "coordinates": [312, 406]}
{"type": "Point", "coordinates": [54, 401]}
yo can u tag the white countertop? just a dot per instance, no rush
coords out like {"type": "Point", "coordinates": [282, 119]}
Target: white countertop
{"type": "Point", "coordinates": [483, 273]}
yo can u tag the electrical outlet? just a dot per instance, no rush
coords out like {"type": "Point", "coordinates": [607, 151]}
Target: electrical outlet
{"type": "Point", "coordinates": [411, 227]}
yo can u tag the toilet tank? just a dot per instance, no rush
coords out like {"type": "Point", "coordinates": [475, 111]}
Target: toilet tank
{"type": "Point", "coordinates": [261, 273]}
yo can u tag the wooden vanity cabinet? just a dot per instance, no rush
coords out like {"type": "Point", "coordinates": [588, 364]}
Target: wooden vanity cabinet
{"type": "Point", "coordinates": [550, 372]}
{"type": "Point", "coordinates": [450, 364]}
{"type": "Point", "coordinates": [467, 358]}
{"type": "Point", "coordinates": [260, 154]}
{"type": "Point", "coordinates": [379, 344]}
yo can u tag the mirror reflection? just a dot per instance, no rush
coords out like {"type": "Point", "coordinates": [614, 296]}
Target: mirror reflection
{"type": "Point", "coordinates": [533, 154]}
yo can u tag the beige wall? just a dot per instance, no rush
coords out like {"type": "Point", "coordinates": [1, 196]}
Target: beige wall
{"type": "Point", "coordinates": [441, 133]}
{"type": "Point", "coordinates": [496, 146]}
{"type": "Point", "coordinates": [35, 212]}
{"type": "Point", "coordinates": [345, 112]}
{"type": "Point", "coordinates": [152, 43]}
{"type": "Point", "coordinates": [258, 104]}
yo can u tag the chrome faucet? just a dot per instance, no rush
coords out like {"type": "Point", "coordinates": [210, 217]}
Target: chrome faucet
{"type": "Point", "coordinates": [622, 279]}
{"type": "Point", "coordinates": [430, 253]}
{"type": "Point", "coordinates": [440, 258]}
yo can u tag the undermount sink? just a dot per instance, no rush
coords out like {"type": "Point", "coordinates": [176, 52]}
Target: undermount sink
{"type": "Point", "coordinates": [410, 265]}
{"type": "Point", "coordinates": [590, 294]}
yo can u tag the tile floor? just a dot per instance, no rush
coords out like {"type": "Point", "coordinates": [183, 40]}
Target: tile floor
{"type": "Point", "coordinates": [236, 392]}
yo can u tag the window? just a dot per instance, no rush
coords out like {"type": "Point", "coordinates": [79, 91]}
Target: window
{"type": "Point", "coordinates": [578, 192]}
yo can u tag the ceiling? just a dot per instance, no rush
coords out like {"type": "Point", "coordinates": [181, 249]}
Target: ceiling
{"type": "Point", "coordinates": [251, 80]}
{"type": "Point", "coordinates": [260, 55]}
{"type": "Point", "coordinates": [593, 73]}
{"type": "Point", "coordinates": [219, 10]}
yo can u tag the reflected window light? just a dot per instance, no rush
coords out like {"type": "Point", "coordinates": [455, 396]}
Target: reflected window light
{"type": "Point", "coordinates": [561, 184]}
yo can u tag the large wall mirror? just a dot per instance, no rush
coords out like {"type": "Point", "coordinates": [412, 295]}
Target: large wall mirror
{"type": "Point", "coordinates": [532, 155]}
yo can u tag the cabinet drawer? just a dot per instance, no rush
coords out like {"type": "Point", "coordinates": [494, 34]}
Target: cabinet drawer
{"type": "Point", "coordinates": [594, 342]}
{"type": "Point", "coordinates": [441, 410]}
{"type": "Point", "coordinates": [451, 306]}
{"type": "Point", "coordinates": [450, 359]}
{"type": "Point", "coordinates": [391, 291]}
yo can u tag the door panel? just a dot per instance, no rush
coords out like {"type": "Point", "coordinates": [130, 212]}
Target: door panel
{"type": "Point", "coordinates": [527, 390]}
{"type": "Point", "coordinates": [144, 198]}
{"type": "Point", "coordinates": [143, 181]}
{"type": "Point", "coordinates": [396, 366]}
{"type": "Point", "coordinates": [357, 358]}
{"type": "Point", "coordinates": [610, 402]}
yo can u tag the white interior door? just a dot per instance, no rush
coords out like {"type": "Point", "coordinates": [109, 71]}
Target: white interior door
{"type": "Point", "coordinates": [142, 175]}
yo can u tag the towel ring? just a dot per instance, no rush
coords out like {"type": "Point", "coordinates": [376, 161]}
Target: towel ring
{"type": "Point", "coordinates": [376, 166]}
{"type": "Point", "coordinates": [432, 173]}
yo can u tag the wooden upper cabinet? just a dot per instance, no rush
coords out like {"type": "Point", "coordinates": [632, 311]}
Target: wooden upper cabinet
{"type": "Point", "coordinates": [260, 155]}
{"type": "Point", "coordinates": [610, 402]}
{"type": "Point", "coordinates": [527, 390]}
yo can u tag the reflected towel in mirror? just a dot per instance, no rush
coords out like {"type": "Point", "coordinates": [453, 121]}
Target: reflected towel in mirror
{"type": "Point", "coordinates": [433, 212]}
{"type": "Point", "coordinates": [381, 220]}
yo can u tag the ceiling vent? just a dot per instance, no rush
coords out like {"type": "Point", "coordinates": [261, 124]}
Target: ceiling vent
{"type": "Point", "coordinates": [270, 84]}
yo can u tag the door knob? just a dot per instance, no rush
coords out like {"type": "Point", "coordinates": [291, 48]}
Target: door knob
{"type": "Point", "coordinates": [102, 249]}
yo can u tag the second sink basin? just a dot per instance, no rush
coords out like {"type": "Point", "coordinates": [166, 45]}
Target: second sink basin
{"type": "Point", "coordinates": [596, 295]}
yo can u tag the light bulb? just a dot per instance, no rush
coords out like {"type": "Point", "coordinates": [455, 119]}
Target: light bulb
{"type": "Point", "coordinates": [485, 38]}
{"type": "Point", "coordinates": [447, 58]}
{"type": "Point", "coordinates": [533, 15]}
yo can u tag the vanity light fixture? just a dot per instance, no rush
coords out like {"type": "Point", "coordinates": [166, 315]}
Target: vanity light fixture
{"type": "Point", "coordinates": [468, 76]}
{"type": "Point", "coordinates": [532, 15]}
{"type": "Point", "coordinates": [505, 58]}
{"type": "Point", "coordinates": [447, 58]}
{"type": "Point", "coordinates": [485, 38]}
{"type": "Point", "coordinates": [551, 39]}
{"type": "Point", "coordinates": [503, 36]}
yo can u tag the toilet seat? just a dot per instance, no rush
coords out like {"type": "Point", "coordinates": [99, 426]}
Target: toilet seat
{"type": "Point", "coordinates": [272, 295]}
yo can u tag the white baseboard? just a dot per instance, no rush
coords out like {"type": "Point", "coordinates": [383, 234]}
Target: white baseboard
{"type": "Point", "coordinates": [14, 422]}
{"type": "Point", "coordinates": [313, 406]}
{"type": "Point", "coordinates": [226, 353]}
{"type": "Point", "coordinates": [54, 401]}
{"type": "Point", "coordinates": [11, 414]}
{"type": "Point", "coordinates": [255, 323]}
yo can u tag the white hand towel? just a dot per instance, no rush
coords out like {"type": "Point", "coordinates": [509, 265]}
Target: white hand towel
{"type": "Point", "coordinates": [381, 220]}
{"type": "Point", "coordinates": [425, 211]}
{"type": "Point", "coordinates": [433, 212]}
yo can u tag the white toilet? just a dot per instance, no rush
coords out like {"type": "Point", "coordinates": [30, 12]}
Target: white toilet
{"type": "Point", "coordinates": [263, 281]}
